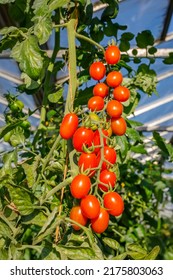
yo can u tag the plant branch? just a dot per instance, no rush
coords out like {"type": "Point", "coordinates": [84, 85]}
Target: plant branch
{"type": "Point", "coordinates": [80, 36]}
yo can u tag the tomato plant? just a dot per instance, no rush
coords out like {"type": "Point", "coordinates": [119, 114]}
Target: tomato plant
{"type": "Point", "coordinates": [63, 161]}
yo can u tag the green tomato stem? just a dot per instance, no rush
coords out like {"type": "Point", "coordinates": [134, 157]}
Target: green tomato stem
{"type": "Point", "coordinates": [80, 36]}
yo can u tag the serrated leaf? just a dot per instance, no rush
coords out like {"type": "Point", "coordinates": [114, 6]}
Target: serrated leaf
{"type": "Point", "coordinates": [136, 255]}
{"type": "Point", "coordinates": [17, 137]}
{"type": "Point", "coordinates": [112, 243]}
{"type": "Point", "coordinates": [21, 199]}
{"type": "Point", "coordinates": [55, 4]}
{"type": "Point", "coordinates": [28, 55]}
{"type": "Point", "coordinates": [153, 254]}
{"type": "Point", "coordinates": [31, 171]}
{"type": "Point", "coordinates": [6, 1]}
{"type": "Point", "coordinates": [43, 28]}
{"type": "Point", "coordinates": [7, 30]}
{"type": "Point", "coordinates": [37, 219]}
{"type": "Point", "coordinates": [56, 96]}
{"type": "Point", "coordinates": [74, 253]}
{"type": "Point", "coordinates": [122, 142]}
{"type": "Point", "coordinates": [5, 231]}
{"type": "Point", "coordinates": [49, 220]}
{"type": "Point", "coordinates": [136, 248]}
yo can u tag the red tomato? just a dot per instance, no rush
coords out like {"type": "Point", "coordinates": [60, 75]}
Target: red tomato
{"type": "Point", "coordinates": [118, 126]}
{"type": "Point", "coordinates": [82, 136]}
{"type": "Point", "coordinates": [101, 90]}
{"type": "Point", "coordinates": [114, 79]}
{"type": "Point", "coordinates": [96, 103]}
{"type": "Point", "coordinates": [77, 216]}
{"type": "Point", "coordinates": [69, 125]}
{"type": "Point", "coordinates": [80, 186]}
{"type": "Point", "coordinates": [100, 224]}
{"type": "Point", "coordinates": [121, 93]}
{"type": "Point", "coordinates": [96, 139]}
{"type": "Point", "coordinates": [114, 203]}
{"type": "Point", "coordinates": [87, 162]}
{"type": "Point", "coordinates": [110, 157]}
{"type": "Point", "coordinates": [97, 70]}
{"type": "Point", "coordinates": [112, 55]}
{"type": "Point", "coordinates": [107, 178]}
{"type": "Point", "coordinates": [90, 206]}
{"type": "Point", "coordinates": [114, 109]}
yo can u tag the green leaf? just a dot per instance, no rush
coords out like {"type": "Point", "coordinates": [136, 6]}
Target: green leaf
{"type": "Point", "coordinates": [21, 199]}
{"type": "Point", "coordinates": [110, 11]}
{"type": "Point", "coordinates": [152, 50]}
{"type": "Point", "coordinates": [17, 137]}
{"type": "Point", "coordinates": [136, 248]}
{"type": "Point", "coordinates": [49, 220]}
{"type": "Point", "coordinates": [43, 28]}
{"type": "Point", "coordinates": [139, 149]}
{"type": "Point", "coordinates": [136, 251]}
{"type": "Point", "coordinates": [122, 142]}
{"type": "Point", "coordinates": [169, 59]}
{"type": "Point", "coordinates": [7, 30]}
{"type": "Point", "coordinates": [120, 257]}
{"type": "Point", "coordinates": [35, 218]}
{"type": "Point", "coordinates": [128, 36]}
{"type": "Point", "coordinates": [56, 96]}
{"type": "Point", "coordinates": [6, 1]}
{"type": "Point", "coordinates": [112, 243]}
{"type": "Point", "coordinates": [31, 171]}
{"type": "Point", "coordinates": [133, 134]}
{"type": "Point", "coordinates": [55, 4]}
{"type": "Point", "coordinates": [124, 45]}
{"type": "Point", "coordinates": [167, 149]}
{"type": "Point", "coordinates": [29, 56]}
{"type": "Point", "coordinates": [74, 253]}
{"type": "Point", "coordinates": [153, 254]}
{"type": "Point", "coordinates": [144, 39]}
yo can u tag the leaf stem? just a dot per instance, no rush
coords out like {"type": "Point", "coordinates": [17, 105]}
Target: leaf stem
{"type": "Point", "coordinates": [80, 36]}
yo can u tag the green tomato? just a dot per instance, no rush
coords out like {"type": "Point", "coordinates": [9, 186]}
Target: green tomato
{"type": "Point", "coordinates": [7, 136]}
{"type": "Point", "coordinates": [20, 104]}
{"type": "Point", "coordinates": [94, 121]}
{"type": "Point", "coordinates": [13, 107]}
{"type": "Point", "coordinates": [25, 124]}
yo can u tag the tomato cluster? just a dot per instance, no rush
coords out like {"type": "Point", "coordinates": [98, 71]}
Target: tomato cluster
{"type": "Point", "coordinates": [94, 186]}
